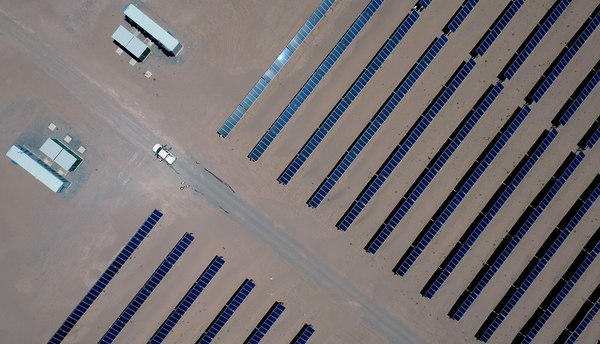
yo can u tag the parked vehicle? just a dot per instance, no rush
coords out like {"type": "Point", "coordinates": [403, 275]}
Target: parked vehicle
{"type": "Point", "coordinates": [164, 154]}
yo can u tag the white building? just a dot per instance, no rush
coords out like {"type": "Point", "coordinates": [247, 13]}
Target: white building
{"type": "Point", "coordinates": [149, 27]}
{"type": "Point", "coordinates": [32, 164]}
{"type": "Point", "coordinates": [138, 49]}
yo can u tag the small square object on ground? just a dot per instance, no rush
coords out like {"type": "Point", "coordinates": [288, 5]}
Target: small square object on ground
{"type": "Point", "coordinates": [68, 139]}
{"type": "Point", "coordinates": [119, 51]}
{"type": "Point", "coordinates": [132, 62]}
{"type": "Point", "coordinates": [148, 74]}
{"type": "Point", "coordinates": [81, 149]}
{"type": "Point", "coordinates": [52, 126]}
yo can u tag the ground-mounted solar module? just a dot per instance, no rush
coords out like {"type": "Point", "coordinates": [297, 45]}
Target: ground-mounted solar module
{"type": "Point", "coordinates": [265, 323]}
{"type": "Point", "coordinates": [582, 319]}
{"type": "Point", "coordinates": [188, 299]}
{"type": "Point", "coordinates": [106, 277]}
{"type": "Point", "coordinates": [539, 261]}
{"type": "Point", "coordinates": [148, 287]}
{"type": "Point", "coordinates": [314, 80]}
{"type": "Point", "coordinates": [230, 307]}
{"type": "Point", "coordinates": [303, 335]}
{"type": "Point", "coordinates": [275, 67]}
{"type": "Point", "coordinates": [497, 27]}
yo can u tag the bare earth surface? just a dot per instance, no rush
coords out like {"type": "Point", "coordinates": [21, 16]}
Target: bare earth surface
{"type": "Point", "coordinates": [59, 65]}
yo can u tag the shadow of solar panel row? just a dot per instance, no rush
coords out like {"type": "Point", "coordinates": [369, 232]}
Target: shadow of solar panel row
{"type": "Point", "coordinates": [461, 14]}
{"type": "Point", "coordinates": [488, 212]}
{"type": "Point", "coordinates": [534, 39]}
{"type": "Point", "coordinates": [560, 290]}
{"type": "Point", "coordinates": [265, 323]}
{"type": "Point", "coordinates": [578, 97]}
{"type": "Point", "coordinates": [514, 236]}
{"type": "Point", "coordinates": [336, 113]}
{"type": "Point", "coordinates": [313, 80]}
{"type": "Point", "coordinates": [275, 67]}
{"type": "Point", "coordinates": [106, 277]}
{"type": "Point", "coordinates": [496, 28]}
{"type": "Point", "coordinates": [304, 335]}
{"type": "Point", "coordinates": [230, 307]}
{"type": "Point", "coordinates": [434, 166]}
{"type": "Point", "coordinates": [459, 192]}
{"type": "Point", "coordinates": [186, 302]}
{"type": "Point", "coordinates": [409, 139]}
{"type": "Point", "coordinates": [148, 287]}
{"type": "Point", "coordinates": [584, 316]}
{"type": "Point", "coordinates": [377, 121]}
{"type": "Point", "coordinates": [539, 261]}
{"type": "Point", "coordinates": [561, 61]}
{"type": "Point", "coordinates": [591, 136]}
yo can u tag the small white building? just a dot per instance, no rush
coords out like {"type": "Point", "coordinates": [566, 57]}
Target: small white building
{"type": "Point", "coordinates": [134, 46]}
{"type": "Point", "coordinates": [149, 27]}
{"type": "Point", "coordinates": [61, 154]}
{"type": "Point", "coordinates": [32, 164]}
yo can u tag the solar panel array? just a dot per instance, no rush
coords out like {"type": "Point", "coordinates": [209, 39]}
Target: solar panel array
{"type": "Point", "coordinates": [460, 16]}
{"type": "Point", "coordinates": [560, 290]}
{"type": "Point", "coordinates": [148, 287]}
{"type": "Point", "coordinates": [496, 28]}
{"type": "Point", "coordinates": [488, 212]}
{"type": "Point", "coordinates": [106, 277]}
{"type": "Point", "coordinates": [591, 136]}
{"type": "Point", "coordinates": [377, 121]}
{"type": "Point", "coordinates": [357, 86]}
{"type": "Point", "coordinates": [561, 61]}
{"type": "Point", "coordinates": [265, 324]}
{"type": "Point", "coordinates": [514, 236]}
{"type": "Point", "coordinates": [230, 307]}
{"type": "Point", "coordinates": [460, 191]}
{"type": "Point", "coordinates": [434, 166]}
{"type": "Point", "coordinates": [409, 139]}
{"type": "Point", "coordinates": [304, 335]}
{"type": "Point", "coordinates": [314, 79]}
{"type": "Point", "coordinates": [534, 38]}
{"type": "Point", "coordinates": [539, 261]}
{"type": "Point", "coordinates": [188, 299]}
{"type": "Point", "coordinates": [578, 97]}
{"type": "Point", "coordinates": [275, 67]}
{"type": "Point", "coordinates": [584, 316]}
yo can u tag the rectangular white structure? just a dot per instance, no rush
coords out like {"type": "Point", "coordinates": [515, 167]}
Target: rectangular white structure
{"type": "Point", "coordinates": [32, 164]}
{"type": "Point", "coordinates": [51, 149]}
{"type": "Point", "coordinates": [132, 44]}
{"type": "Point", "coordinates": [162, 36]}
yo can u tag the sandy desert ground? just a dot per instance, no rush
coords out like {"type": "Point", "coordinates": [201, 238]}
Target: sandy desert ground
{"type": "Point", "coordinates": [59, 65]}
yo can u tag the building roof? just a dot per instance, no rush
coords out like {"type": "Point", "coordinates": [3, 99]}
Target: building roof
{"type": "Point", "coordinates": [65, 160]}
{"type": "Point", "coordinates": [161, 35]}
{"type": "Point", "coordinates": [128, 41]}
{"type": "Point", "coordinates": [36, 168]}
{"type": "Point", "coordinates": [51, 149]}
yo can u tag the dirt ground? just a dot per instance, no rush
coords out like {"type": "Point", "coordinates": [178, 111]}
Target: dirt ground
{"type": "Point", "coordinates": [59, 65]}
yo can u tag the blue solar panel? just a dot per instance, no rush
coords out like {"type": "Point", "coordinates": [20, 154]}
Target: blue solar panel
{"type": "Point", "coordinates": [232, 305]}
{"type": "Point", "coordinates": [336, 113]}
{"type": "Point", "coordinates": [541, 29]}
{"type": "Point", "coordinates": [106, 277]}
{"type": "Point", "coordinates": [265, 324]}
{"type": "Point", "coordinates": [541, 258]}
{"type": "Point", "coordinates": [404, 146]}
{"type": "Point", "coordinates": [148, 287]}
{"type": "Point", "coordinates": [275, 67]}
{"type": "Point", "coordinates": [494, 31]}
{"type": "Point", "coordinates": [584, 316]}
{"type": "Point", "coordinates": [578, 98]}
{"type": "Point", "coordinates": [514, 236]}
{"type": "Point", "coordinates": [304, 335]}
{"type": "Point", "coordinates": [565, 57]}
{"type": "Point", "coordinates": [313, 81]}
{"type": "Point", "coordinates": [460, 15]}
{"type": "Point", "coordinates": [382, 114]}
{"type": "Point", "coordinates": [163, 331]}
{"type": "Point", "coordinates": [560, 291]}
{"type": "Point", "coordinates": [436, 164]}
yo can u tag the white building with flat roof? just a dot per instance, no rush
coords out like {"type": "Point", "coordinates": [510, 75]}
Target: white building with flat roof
{"type": "Point", "coordinates": [40, 171]}
{"type": "Point", "coordinates": [61, 154]}
{"type": "Point", "coordinates": [138, 49]}
{"type": "Point", "coordinates": [160, 35]}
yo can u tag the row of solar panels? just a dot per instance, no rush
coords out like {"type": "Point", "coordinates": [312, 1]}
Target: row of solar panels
{"type": "Point", "coordinates": [534, 39]}
{"type": "Point", "coordinates": [580, 321]}
{"type": "Point", "coordinates": [148, 287]}
{"type": "Point", "coordinates": [275, 67]}
{"type": "Point", "coordinates": [357, 86]}
{"type": "Point", "coordinates": [377, 121]}
{"type": "Point", "coordinates": [496, 28]}
{"type": "Point", "coordinates": [106, 277]}
{"type": "Point", "coordinates": [560, 290]}
{"type": "Point", "coordinates": [265, 323]}
{"type": "Point", "coordinates": [312, 82]}
{"type": "Point", "coordinates": [461, 14]}
{"type": "Point", "coordinates": [539, 261]}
